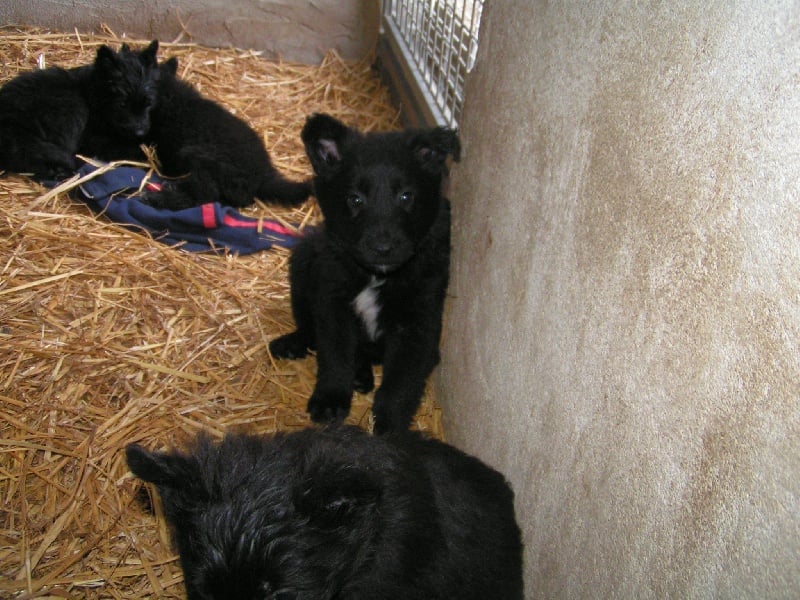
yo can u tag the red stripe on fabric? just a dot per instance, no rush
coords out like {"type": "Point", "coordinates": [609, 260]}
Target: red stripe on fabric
{"type": "Point", "coordinates": [209, 218]}
{"type": "Point", "coordinates": [232, 221]}
{"type": "Point", "coordinates": [279, 229]}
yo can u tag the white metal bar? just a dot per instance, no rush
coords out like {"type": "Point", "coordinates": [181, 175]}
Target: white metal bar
{"type": "Point", "coordinates": [439, 40]}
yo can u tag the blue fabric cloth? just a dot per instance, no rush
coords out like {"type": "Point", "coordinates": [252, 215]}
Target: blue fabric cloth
{"type": "Point", "coordinates": [208, 227]}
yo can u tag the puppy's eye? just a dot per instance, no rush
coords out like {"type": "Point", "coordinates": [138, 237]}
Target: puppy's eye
{"type": "Point", "coordinates": [405, 200]}
{"type": "Point", "coordinates": [355, 202]}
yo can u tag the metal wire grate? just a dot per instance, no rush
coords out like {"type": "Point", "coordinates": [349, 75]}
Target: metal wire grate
{"type": "Point", "coordinates": [438, 39]}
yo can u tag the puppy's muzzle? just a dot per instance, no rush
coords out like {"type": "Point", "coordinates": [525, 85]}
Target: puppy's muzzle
{"type": "Point", "coordinates": [383, 253]}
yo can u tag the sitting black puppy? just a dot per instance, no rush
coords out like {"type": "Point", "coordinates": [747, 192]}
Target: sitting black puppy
{"type": "Point", "coordinates": [100, 110]}
{"type": "Point", "coordinates": [323, 514]}
{"type": "Point", "coordinates": [217, 156]}
{"type": "Point", "coordinates": [369, 286]}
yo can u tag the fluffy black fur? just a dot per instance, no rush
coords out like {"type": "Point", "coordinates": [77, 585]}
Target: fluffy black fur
{"type": "Point", "coordinates": [324, 514]}
{"type": "Point", "coordinates": [124, 99]}
{"type": "Point", "coordinates": [219, 156]}
{"type": "Point", "coordinates": [369, 286]}
{"type": "Point", "coordinates": [100, 110]}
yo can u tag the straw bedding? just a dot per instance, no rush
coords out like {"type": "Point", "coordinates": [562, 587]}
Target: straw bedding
{"type": "Point", "coordinates": [108, 337]}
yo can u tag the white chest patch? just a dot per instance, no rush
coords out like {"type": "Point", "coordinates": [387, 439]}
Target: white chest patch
{"type": "Point", "coordinates": [366, 306]}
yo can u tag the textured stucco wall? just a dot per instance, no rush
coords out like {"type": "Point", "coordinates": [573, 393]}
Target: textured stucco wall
{"type": "Point", "coordinates": [623, 333]}
{"type": "Point", "coordinates": [296, 30]}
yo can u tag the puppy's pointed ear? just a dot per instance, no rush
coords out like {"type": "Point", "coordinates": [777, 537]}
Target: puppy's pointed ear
{"type": "Point", "coordinates": [338, 497]}
{"type": "Point", "coordinates": [165, 470]}
{"type": "Point", "coordinates": [148, 56]}
{"type": "Point", "coordinates": [432, 147]}
{"type": "Point", "coordinates": [324, 137]}
{"type": "Point", "coordinates": [106, 57]}
{"type": "Point", "coordinates": [170, 66]}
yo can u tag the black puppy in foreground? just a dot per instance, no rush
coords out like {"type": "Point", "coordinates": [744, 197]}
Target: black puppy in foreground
{"type": "Point", "coordinates": [369, 286]}
{"type": "Point", "coordinates": [324, 514]}
{"type": "Point", "coordinates": [99, 110]}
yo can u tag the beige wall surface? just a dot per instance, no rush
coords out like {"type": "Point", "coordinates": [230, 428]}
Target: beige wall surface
{"type": "Point", "coordinates": [295, 30]}
{"type": "Point", "coordinates": [623, 332]}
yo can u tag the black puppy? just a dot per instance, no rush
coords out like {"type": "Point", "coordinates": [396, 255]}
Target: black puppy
{"type": "Point", "coordinates": [369, 286]}
{"type": "Point", "coordinates": [324, 514]}
{"type": "Point", "coordinates": [100, 110]}
{"type": "Point", "coordinates": [219, 157]}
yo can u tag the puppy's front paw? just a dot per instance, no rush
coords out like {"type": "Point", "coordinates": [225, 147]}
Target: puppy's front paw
{"type": "Point", "coordinates": [382, 424]}
{"type": "Point", "coordinates": [168, 197]}
{"type": "Point", "coordinates": [59, 171]}
{"type": "Point", "coordinates": [364, 380]}
{"type": "Point", "coordinates": [329, 407]}
{"type": "Point", "coordinates": [388, 416]}
{"type": "Point", "coordinates": [155, 198]}
{"type": "Point", "coordinates": [292, 345]}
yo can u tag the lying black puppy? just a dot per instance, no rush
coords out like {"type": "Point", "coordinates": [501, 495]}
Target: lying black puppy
{"type": "Point", "coordinates": [369, 286]}
{"type": "Point", "coordinates": [100, 110]}
{"type": "Point", "coordinates": [218, 156]}
{"type": "Point", "coordinates": [124, 99]}
{"type": "Point", "coordinates": [323, 514]}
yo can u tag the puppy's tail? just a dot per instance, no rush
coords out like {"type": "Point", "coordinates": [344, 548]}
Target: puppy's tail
{"type": "Point", "coordinates": [277, 189]}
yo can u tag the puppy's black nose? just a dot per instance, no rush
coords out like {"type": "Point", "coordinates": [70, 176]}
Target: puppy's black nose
{"type": "Point", "coordinates": [381, 247]}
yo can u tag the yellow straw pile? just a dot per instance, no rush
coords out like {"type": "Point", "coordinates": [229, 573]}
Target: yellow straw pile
{"type": "Point", "coordinates": [108, 337]}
